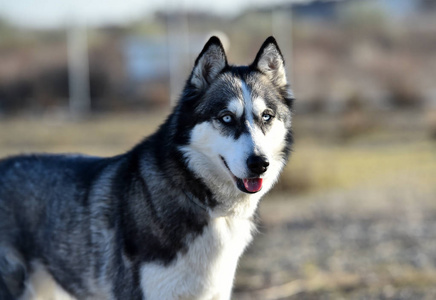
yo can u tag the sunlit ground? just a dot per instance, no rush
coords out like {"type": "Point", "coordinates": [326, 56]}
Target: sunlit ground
{"type": "Point", "coordinates": [353, 216]}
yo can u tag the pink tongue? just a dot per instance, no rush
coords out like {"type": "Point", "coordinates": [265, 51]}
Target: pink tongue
{"type": "Point", "coordinates": [253, 184]}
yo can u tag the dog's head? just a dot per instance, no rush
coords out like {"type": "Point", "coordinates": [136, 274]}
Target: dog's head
{"type": "Point", "coordinates": [239, 119]}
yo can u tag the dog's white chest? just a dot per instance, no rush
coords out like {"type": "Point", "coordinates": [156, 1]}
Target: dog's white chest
{"type": "Point", "coordinates": [206, 271]}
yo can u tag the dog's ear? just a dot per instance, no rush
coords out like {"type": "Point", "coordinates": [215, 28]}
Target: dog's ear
{"type": "Point", "coordinates": [211, 61]}
{"type": "Point", "coordinates": [269, 60]}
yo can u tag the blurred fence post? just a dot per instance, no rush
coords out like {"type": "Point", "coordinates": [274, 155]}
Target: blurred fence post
{"type": "Point", "coordinates": [282, 30]}
{"type": "Point", "coordinates": [178, 48]}
{"type": "Point", "coordinates": [78, 70]}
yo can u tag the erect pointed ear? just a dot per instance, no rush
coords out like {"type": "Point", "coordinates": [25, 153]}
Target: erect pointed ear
{"type": "Point", "coordinates": [269, 61]}
{"type": "Point", "coordinates": [211, 61]}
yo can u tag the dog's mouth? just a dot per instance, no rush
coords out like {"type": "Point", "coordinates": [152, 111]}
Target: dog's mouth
{"type": "Point", "coordinates": [246, 185]}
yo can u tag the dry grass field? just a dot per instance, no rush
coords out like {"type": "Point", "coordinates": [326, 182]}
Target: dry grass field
{"type": "Point", "coordinates": [353, 216]}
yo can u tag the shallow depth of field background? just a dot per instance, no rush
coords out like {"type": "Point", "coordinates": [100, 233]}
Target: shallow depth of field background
{"type": "Point", "coordinates": [354, 213]}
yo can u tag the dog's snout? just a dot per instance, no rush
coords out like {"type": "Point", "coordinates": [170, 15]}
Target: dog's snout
{"type": "Point", "coordinates": [257, 164]}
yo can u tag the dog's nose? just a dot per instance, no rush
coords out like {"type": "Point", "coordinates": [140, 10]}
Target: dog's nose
{"type": "Point", "coordinates": [257, 164]}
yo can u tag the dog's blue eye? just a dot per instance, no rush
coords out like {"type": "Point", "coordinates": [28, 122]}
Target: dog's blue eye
{"type": "Point", "coordinates": [266, 117]}
{"type": "Point", "coordinates": [227, 119]}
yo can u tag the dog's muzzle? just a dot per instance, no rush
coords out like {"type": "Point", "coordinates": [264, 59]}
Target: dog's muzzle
{"type": "Point", "coordinates": [253, 184]}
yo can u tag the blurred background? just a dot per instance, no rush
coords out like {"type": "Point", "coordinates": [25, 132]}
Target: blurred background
{"type": "Point", "coordinates": [354, 213]}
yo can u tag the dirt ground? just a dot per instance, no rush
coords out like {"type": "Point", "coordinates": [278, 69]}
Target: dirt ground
{"type": "Point", "coordinates": [356, 244]}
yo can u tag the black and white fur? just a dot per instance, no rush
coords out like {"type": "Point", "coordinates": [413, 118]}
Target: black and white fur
{"type": "Point", "coordinates": [170, 218]}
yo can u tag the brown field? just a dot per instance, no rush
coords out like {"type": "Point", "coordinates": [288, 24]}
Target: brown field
{"type": "Point", "coordinates": [353, 216]}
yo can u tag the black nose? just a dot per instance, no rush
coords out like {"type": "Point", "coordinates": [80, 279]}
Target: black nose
{"type": "Point", "coordinates": [257, 164]}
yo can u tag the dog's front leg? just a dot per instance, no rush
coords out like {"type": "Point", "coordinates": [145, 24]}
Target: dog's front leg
{"type": "Point", "coordinates": [225, 290]}
{"type": "Point", "coordinates": [224, 294]}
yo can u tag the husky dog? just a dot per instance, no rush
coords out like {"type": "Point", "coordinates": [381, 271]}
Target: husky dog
{"type": "Point", "coordinates": [170, 218]}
